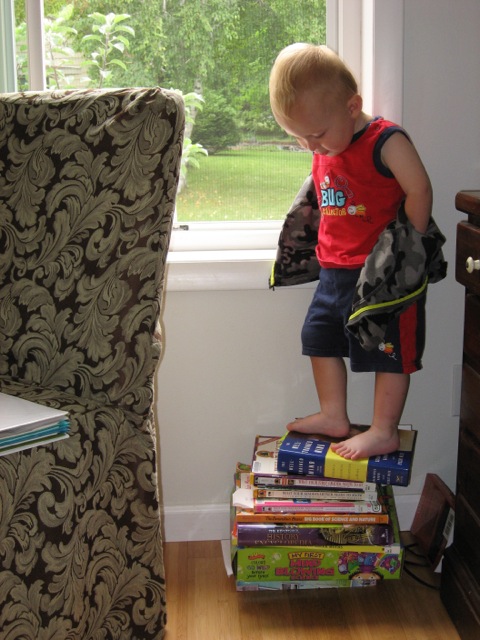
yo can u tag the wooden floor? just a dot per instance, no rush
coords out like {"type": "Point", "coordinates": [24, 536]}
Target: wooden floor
{"type": "Point", "coordinates": [202, 604]}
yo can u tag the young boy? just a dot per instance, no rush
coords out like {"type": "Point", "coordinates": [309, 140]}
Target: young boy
{"type": "Point", "coordinates": [363, 169]}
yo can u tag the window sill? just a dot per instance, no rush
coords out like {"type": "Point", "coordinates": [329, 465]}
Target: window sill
{"type": "Point", "coordinates": [240, 269]}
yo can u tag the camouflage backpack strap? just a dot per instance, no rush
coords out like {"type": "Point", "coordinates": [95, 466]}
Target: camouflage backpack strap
{"type": "Point", "coordinates": [396, 274]}
{"type": "Point", "coordinates": [296, 261]}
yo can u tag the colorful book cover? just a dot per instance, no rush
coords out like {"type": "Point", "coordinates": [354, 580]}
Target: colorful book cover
{"type": "Point", "coordinates": [311, 455]}
{"type": "Point", "coordinates": [248, 515]}
{"type": "Point", "coordinates": [267, 505]}
{"type": "Point", "coordinates": [264, 471]}
{"type": "Point", "coordinates": [260, 564]}
{"type": "Point", "coordinates": [289, 493]}
{"type": "Point", "coordinates": [245, 513]}
{"type": "Point", "coordinates": [265, 534]}
{"type": "Point", "coordinates": [363, 563]}
{"type": "Point", "coordinates": [244, 496]}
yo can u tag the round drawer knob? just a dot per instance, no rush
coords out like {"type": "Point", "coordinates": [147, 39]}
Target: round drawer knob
{"type": "Point", "coordinates": [472, 265]}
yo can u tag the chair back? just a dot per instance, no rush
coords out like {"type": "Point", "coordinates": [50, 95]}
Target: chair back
{"type": "Point", "coordinates": [87, 190]}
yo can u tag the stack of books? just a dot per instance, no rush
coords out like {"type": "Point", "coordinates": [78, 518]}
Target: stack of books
{"type": "Point", "coordinates": [303, 518]}
{"type": "Point", "coordinates": [25, 424]}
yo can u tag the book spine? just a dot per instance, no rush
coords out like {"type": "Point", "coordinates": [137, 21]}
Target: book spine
{"type": "Point", "coordinates": [393, 469]}
{"type": "Point", "coordinates": [316, 563]}
{"type": "Point", "coordinates": [284, 480]}
{"type": "Point", "coordinates": [306, 457]}
{"type": "Point", "coordinates": [251, 535]}
{"type": "Point", "coordinates": [315, 494]}
{"type": "Point", "coordinates": [311, 518]}
{"type": "Point", "coordinates": [382, 473]}
{"type": "Point", "coordinates": [308, 506]}
{"type": "Point", "coordinates": [280, 585]}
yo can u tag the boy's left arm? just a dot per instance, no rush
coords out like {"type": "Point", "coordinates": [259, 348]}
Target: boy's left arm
{"type": "Point", "coordinates": [401, 157]}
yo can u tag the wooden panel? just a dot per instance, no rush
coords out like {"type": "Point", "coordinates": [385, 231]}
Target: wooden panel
{"type": "Point", "coordinates": [468, 475]}
{"type": "Point", "coordinates": [470, 403]}
{"type": "Point", "coordinates": [472, 332]}
{"type": "Point", "coordinates": [469, 202]}
{"type": "Point", "coordinates": [461, 565]}
{"type": "Point", "coordinates": [460, 596]}
{"type": "Point", "coordinates": [468, 246]}
{"type": "Point", "coordinates": [467, 535]}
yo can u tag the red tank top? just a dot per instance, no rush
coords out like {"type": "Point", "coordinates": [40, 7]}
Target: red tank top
{"type": "Point", "coordinates": [358, 196]}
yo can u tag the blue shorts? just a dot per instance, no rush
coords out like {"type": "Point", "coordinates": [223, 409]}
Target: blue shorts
{"type": "Point", "coordinates": [324, 334]}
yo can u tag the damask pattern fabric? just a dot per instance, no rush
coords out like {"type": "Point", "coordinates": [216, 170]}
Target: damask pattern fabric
{"type": "Point", "coordinates": [88, 182]}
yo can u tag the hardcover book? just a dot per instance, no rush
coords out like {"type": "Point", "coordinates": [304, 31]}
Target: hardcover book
{"type": "Point", "coordinates": [248, 515]}
{"type": "Point", "coordinates": [296, 505]}
{"type": "Point", "coordinates": [264, 472]}
{"type": "Point", "coordinates": [243, 510]}
{"type": "Point", "coordinates": [297, 585]}
{"type": "Point", "coordinates": [260, 564]}
{"type": "Point", "coordinates": [289, 493]}
{"type": "Point", "coordinates": [264, 534]}
{"type": "Point", "coordinates": [311, 455]}
{"type": "Point", "coordinates": [364, 563]}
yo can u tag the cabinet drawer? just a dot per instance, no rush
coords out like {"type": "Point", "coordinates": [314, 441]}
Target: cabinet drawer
{"type": "Point", "coordinates": [470, 403]}
{"type": "Point", "coordinates": [468, 474]}
{"type": "Point", "coordinates": [471, 342]}
{"type": "Point", "coordinates": [468, 246]}
{"type": "Point", "coordinates": [467, 533]}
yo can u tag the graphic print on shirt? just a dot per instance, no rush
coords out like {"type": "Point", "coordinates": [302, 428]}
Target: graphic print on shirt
{"type": "Point", "coordinates": [388, 349]}
{"type": "Point", "coordinates": [338, 199]}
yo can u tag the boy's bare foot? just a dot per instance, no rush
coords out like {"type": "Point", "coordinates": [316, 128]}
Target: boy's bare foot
{"type": "Point", "coordinates": [319, 423]}
{"type": "Point", "coordinates": [374, 442]}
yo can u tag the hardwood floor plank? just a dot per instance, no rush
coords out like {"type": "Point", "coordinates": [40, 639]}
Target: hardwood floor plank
{"type": "Point", "coordinates": [203, 604]}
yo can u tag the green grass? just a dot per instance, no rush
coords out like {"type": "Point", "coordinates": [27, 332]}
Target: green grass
{"type": "Point", "coordinates": [251, 183]}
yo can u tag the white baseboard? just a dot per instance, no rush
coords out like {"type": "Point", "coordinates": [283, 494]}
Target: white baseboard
{"type": "Point", "coordinates": [192, 523]}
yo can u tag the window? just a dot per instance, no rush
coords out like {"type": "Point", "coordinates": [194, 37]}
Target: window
{"type": "Point", "coordinates": [366, 33]}
{"type": "Point", "coordinates": [218, 50]}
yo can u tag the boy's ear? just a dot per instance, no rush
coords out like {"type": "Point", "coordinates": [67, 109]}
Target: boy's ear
{"type": "Point", "coordinates": [355, 105]}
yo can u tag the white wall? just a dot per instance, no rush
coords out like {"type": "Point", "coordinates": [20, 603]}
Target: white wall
{"type": "Point", "coordinates": [232, 366]}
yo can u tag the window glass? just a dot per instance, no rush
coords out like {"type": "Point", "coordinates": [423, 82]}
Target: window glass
{"type": "Point", "coordinates": [237, 164]}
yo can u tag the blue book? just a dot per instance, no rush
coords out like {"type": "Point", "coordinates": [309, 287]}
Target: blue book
{"type": "Point", "coordinates": [311, 455]}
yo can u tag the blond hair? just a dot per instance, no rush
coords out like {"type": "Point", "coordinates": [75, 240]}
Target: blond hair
{"type": "Point", "coordinates": [300, 67]}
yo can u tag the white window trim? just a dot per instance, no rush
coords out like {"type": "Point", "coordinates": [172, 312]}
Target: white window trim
{"type": "Point", "coordinates": [368, 35]}
{"type": "Point", "coordinates": [36, 44]}
{"type": "Point", "coordinates": [8, 77]}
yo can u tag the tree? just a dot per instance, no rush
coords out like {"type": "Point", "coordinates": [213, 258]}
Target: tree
{"type": "Point", "coordinates": [228, 46]}
{"type": "Point", "coordinates": [216, 125]}
{"type": "Point", "coordinates": [58, 34]}
{"type": "Point", "coordinates": [109, 39]}
{"type": "Point", "coordinates": [201, 46]}
{"type": "Point", "coordinates": [144, 60]}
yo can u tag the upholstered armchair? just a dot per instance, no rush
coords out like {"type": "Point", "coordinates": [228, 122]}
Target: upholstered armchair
{"type": "Point", "coordinates": [87, 189]}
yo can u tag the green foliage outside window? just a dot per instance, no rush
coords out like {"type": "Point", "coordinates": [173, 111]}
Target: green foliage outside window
{"type": "Point", "coordinates": [219, 50]}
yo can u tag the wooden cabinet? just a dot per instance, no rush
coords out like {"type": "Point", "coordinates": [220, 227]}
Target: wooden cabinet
{"type": "Point", "coordinates": [460, 588]}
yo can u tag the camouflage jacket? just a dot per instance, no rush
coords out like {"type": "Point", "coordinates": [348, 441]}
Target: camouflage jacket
{"type": "Point", "coordinates": [296, 261]}
{"type": "Point", "coordinates": [395, 275]}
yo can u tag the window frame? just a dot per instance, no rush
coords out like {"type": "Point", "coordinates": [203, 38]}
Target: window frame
{"type": "Point", "coordinates": [367, 34]}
